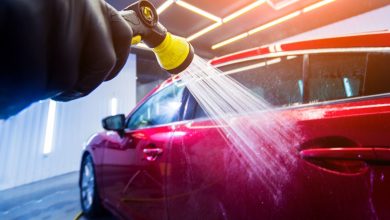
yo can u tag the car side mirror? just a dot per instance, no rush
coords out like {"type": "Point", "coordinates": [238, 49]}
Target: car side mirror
{"type": "Point", "coordinates": [115, 123]}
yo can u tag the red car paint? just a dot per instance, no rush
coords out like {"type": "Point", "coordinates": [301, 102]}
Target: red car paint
{"type": "Point", "coordinates": [185, 169]}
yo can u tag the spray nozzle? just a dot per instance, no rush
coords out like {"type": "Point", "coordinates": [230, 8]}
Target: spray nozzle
{"type": "Point", "coordinates": [173, 53]}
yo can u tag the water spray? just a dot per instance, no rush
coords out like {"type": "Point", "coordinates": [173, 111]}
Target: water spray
{"type": "Point", "coordinates": [174, 54]}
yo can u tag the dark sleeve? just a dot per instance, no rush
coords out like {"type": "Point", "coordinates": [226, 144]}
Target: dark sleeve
{"type": "Point", "coordinates": [24, 48]}
{"type": "Point", "coordinates": [106, 46]}
{"type": "Point", "coordinates": [51, 48]}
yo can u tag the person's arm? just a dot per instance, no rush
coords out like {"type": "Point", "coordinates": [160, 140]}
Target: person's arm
{"type": "Point", "coordinates": [105, 48]}
{"type": "Point", "coordinates": [62, 49]}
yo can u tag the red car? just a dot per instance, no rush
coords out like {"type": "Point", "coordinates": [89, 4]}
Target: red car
{"type": "Point", "coordinates": [168, 160]}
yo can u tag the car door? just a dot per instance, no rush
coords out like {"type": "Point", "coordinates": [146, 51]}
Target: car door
{"type": "Point", "coordinates": [338, 131]}
{"type": "Point", "coordinates": [210, 179]}
{"type": "Point", "coordinates": [196, 167]}
{"type": "Point", "coordinates": [345, 131]}
{"type": "Point", "coordinates": [377, 85]}
{"type": "Point", "coordinates": [135, 164]}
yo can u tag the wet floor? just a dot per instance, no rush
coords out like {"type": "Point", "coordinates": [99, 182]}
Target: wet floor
{"type": "Point", "coordinates": [54, 198]}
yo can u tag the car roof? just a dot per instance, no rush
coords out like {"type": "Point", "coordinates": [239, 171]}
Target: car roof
{"type": "Point", "coordinates": [356, 41]}
{"type": "Point", "coordinates": [166, 83]}
{"type": "Point", "coordinates": [365, 40]}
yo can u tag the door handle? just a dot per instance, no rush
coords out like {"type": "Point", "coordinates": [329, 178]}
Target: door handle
{"type": "Point", "coordinates": [378, 154]}
{"type": "Point", "coordinates": [382, 154]}
{"type": "Point", "coordinates": [151, 154]}
{"type": "Point", "coordinates": [346, 160]}
{"type": "Point", "coordinates": [357, 153]}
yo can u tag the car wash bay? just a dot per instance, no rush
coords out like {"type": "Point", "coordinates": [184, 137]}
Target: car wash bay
{"type": "Point", "coordinates": [41, 148]}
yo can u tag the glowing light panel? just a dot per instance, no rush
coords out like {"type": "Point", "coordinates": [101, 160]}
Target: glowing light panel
{"type": "Point", "coordinates": [280, 4]}
{"type": "Point", "coordinates": [274, 22]}
{"type": "Point", "coordinates": [51, 116]}
{"type": "Point", "coordinates": [114, 106]}
{"type": "Point", "coordinates": [317, 5]}
{"type": "Point", "coordinates": [164, 6]}
{"type": "Point", "coordinates": [204, 31]}
{"type": "Point", "coordinates": [347, 87]}
{"type": "Point", "coordinates": [300, 86]}
{"type": "Point", "coordinates": [198, 11]}
{"type": "Point", "coordinates": [229, 41]}
{"type": "Point", "coordinates": [242, 11]}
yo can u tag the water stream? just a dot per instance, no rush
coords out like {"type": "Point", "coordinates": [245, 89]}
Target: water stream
{"type": "Point", "coordinates": [253, 127]}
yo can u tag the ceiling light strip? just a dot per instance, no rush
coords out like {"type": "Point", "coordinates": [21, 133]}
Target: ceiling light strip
{"type": "Point", "coordinates": [270, 24]}
{"type": "Point", "coordinates": [204, 31]}
{"type": "Point", "coordinates": [226, 19]}
{"type": "Point", "coordinates": [229, 41]}
{"type": "Point", "coordinates": [242, 11]}
{"type": "Point", "coordinates": [164, 6]}
{"type": "Point", "coordinates": [274, 22]}
{"type": "Point", "coordinates": [281, 5]}
{"type": "Point", "coordinates": [262, 27]}
{"type": "Point", "coordinates": [198, 11]}
{"type": "Point", "coordinates": [316, 5]}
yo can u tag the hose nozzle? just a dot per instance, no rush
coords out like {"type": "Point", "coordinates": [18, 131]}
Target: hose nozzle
{"type": "Point", "coordinates": [173, 53]}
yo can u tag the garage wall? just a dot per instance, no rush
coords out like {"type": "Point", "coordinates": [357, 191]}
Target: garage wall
{"type": "Point", "coordinates": [375, 20]}
{"type": "Point", "coordinates": [22, 138]}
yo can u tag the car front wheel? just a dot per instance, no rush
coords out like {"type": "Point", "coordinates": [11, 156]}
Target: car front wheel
{"type": "Point", "coordinates": [89, 197]}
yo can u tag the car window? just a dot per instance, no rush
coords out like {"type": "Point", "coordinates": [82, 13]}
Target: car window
{"type": "Point", "coordinates": [193, 109]}
{"type": "Point", "coordinates": [199, 112]}
{"type": "Point", "coordinates": [277, 80]}
{"type": "Point", "coordinates": [162, 108]}
{"type": "Point", "coordinates": [335, 76]}
{"type": "Point", "coordinates": [378, 74]}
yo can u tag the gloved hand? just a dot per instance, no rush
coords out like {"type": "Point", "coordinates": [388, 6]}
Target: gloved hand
{"type": "Point", "coordinates": [57, 48]}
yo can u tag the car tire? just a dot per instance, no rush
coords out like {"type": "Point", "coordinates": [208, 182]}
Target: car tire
{"type": "Point", "coordinates": [89, 197]}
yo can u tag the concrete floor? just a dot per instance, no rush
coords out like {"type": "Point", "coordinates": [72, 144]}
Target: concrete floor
{"type": "Point", "coordinates": [54, 198]}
